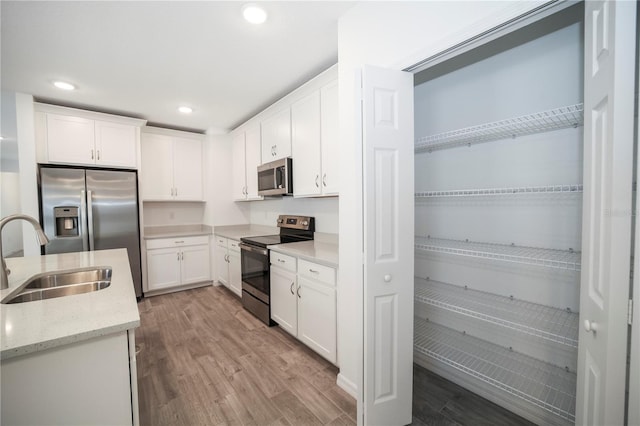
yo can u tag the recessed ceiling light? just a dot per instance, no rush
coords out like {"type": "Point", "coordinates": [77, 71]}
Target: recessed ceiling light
{"type": "Point", "coordinates": [185, 109]}
{"type": "Point", "coordinates": [64, 85]}
{"type": "Point", "coordinates": [254, 13]}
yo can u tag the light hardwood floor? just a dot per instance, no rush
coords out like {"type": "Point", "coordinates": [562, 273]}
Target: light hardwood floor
{"type": "Point", "coordinates": [204, 360]}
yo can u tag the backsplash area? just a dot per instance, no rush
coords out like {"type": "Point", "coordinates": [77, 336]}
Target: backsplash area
{"type": "Point", "coordinates": [159, 214]}
{"type": "Point", "coordinates": [325, 211]}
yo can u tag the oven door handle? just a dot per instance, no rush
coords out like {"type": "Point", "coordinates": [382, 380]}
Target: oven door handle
{"type": "Point", "coordinates": [246, 247]}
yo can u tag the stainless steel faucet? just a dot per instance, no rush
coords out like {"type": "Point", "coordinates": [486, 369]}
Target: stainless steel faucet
{"type": "Point", "coordinates": [42, 239]}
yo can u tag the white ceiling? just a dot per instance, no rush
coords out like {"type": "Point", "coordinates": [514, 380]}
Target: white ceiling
{"type": "Point", "coordinates": [145, 58]}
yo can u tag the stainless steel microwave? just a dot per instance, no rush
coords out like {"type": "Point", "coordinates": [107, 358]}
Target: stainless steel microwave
{"type": "Point", "coordinates": [276, 178]}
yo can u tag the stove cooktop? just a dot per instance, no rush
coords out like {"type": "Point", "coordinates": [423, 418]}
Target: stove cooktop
{"type": "Point", "coordinates": [267, 240]}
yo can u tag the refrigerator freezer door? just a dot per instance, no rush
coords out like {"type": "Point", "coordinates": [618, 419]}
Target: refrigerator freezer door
{"type": "Point", "coordinates": [113, 206]}
{"type": "Point", "coordinates": [61, 190]}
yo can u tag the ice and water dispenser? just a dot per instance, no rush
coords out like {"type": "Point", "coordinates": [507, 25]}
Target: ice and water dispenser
{"type": "Point", "coordinates": [66, 221]}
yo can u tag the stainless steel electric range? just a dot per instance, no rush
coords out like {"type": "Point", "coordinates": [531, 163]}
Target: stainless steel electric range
{"type": "Point", "coordinates": [256, 288]}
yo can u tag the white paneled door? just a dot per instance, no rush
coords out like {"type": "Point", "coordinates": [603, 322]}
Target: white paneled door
{"type": "Point", "coordinates": [388, 180]}
{"type": "Point", "coordinates": [610, 30]}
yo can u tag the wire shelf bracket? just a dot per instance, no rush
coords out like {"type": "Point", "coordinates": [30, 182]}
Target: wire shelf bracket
{"type": "Point", "coordinates": [544, 121]}
{"type": "Point", "coordinates": [549, 258]}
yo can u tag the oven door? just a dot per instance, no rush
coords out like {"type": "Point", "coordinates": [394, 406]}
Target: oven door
{"type": "Point", "coordinates": [255, 271]}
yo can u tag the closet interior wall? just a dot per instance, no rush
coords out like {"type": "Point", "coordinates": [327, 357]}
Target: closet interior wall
{"type": "Point", "coordinates": [498, 208]}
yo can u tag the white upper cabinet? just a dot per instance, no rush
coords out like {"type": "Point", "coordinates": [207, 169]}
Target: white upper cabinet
{"type": "Point", "coordinates": [187, 169]}
{"type": "Point", "coordinates": [70, 136]}
{"type": "Point", "coordinates": [276, 136]}
{"type": "Point", "coordinates": [171, 168]}
{"type": "Point", "coordinates": [115, 144]}
{"type": "Point", "coordinates": [314, 124]}
{"type": "Point", "coordinates": [238, 163]}
{"type": "Point", "coordinates": [329, 131]}
{"type": "Point", "coordinates": [305, 145]}
{"type": "Point", "coordinates": [245, 161]}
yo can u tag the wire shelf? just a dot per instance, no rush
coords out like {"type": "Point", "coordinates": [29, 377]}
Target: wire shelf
{"type": "Point", "coordinates": [553, 119]}
{"type": "Point", "coordinates": [526, 190]}
{"type": "Point", "coordinates": [556, 325]}
{"type": "Point", "coordinates": [549, 258]}
{"type": "Point", "coordinates": [544, 385]}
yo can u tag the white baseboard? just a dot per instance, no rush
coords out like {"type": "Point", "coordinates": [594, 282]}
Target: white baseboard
{"type": "Point", "coordinates": [347, 385]}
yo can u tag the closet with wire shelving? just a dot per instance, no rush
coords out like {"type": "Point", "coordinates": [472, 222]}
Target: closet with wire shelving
{"type": "Point", "coordinates": [498, 218]}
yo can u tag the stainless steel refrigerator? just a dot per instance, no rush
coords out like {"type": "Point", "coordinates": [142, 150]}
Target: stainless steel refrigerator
{"type": "Point", "coordinates": [88, 209]}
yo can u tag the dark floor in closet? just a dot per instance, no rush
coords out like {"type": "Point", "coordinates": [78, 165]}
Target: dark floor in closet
{"type": "Point", "coordinates": [439, 402]}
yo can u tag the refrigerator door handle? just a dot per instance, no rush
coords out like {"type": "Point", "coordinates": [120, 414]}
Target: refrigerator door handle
{"type": "Point", "coordinates": [90, 218]}
{"type": "Point", "coordinates": [83, 221]}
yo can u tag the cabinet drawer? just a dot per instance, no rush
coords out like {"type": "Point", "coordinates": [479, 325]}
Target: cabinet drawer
{"type": "Point", "coordinates": [177, 242]}
{"type": "Point", "coordinates": [233, 245]}
{"type": "Point", "coordinates": [283, 261]}
{"type": "Point", "coordinates": [317, 272]}
{"type": "Point", "coordinates": [221, 241]}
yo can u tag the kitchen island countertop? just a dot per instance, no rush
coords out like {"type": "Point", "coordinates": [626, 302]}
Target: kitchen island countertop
{"type": "Point", "coordinates": [38, 325]}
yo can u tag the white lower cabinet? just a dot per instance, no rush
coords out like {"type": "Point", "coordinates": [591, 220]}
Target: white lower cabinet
{"type": "Point", "coordinates": [228, 269]}
{"type": "Point", "coordinates": [284, 303]}
{"type": "Point", "coordinates": [83, 383]}
{"type": "Point", "coordinates": [173, 262]}
{"type": "Point", "coordinates": [304, 304]}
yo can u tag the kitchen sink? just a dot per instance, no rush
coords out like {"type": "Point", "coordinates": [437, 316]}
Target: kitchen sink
{"type": "Point", "coordinates": [60, 284]}
{"type": "Point", "coordinates": [69, 277]}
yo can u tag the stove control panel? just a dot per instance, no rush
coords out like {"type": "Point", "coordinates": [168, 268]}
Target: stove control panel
{"type": "Point", "coordinates": [306, 223]}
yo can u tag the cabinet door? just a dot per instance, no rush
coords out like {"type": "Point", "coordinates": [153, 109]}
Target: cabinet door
{"type": "Point", "coordinates": [195, 264]}
{"type": "Point", "coordinates": [222, 266]}
{"type": "Point", "coordinates": [115, 144]}
{"type": "Point", "coordinates": [235, 274]}
{"type": "Point", "coordinates": [276, 136]}
{"type": "Point", "coordinates": [70, 140]}
{"type": "Point", "coordinates": [305, 145]}
{"type": "Point", "coordinates": [187, 170]}
{"type": "Point", "coordinates": [163, 268]}
{"type": "Point", "coordinates": [156, 170]}
{"type": "Point", "coordinates": [330, 142]}
{"type": "Point", "coordinates": [284, 304]}
{"type": "Point", "coordinates": [238, 165]}
{"type": "Point", "coordinates": [317, 317]}
{"type": "Point", "coordinates": [253, 160]}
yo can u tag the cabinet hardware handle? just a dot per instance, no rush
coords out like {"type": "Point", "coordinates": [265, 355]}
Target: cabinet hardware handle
{"type": "Point", "coordinates": [317, 177]}
{"type": "Point", "coordinates": [291, 288]}
{"type": "Point", "coordinates": [314, 271]}
{"type": "Point", "coordinates": [176, 191]}
{"type": "Point", "coordinates": [324, 179]}
{"type": "Point", "coordinates": [98, 154]}
{"type": "Point", "coordinates": [282, 261]}
{"type": "Point", "coordinates": [178, 256]}
{"type": "Point", "coordinates": [298, 291]}
{"type": "Point", "coordinates": [181, 255]}
{"type": "Point", "coordinates": [92, 155]}
{"type": "Point", "coordinates": [179, 242]}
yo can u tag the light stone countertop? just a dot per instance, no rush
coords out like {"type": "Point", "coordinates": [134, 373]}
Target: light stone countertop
{"type": "Point", "coordinates": [43, 324]}
{"type": "Point", "coordinates": [317, 251]}
{"type": "Point", "coordinates": [235, 232]}
{"type": "Point", "coordinates": [170, 231]}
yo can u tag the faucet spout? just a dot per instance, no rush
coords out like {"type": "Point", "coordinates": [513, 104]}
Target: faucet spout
{"type": "Point", "coordinates": [42, 239]}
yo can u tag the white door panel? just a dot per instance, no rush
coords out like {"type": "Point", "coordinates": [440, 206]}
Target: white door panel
{"type": "Point", "coordinates": [608, 165]}
{"type": "Point", "coordinates": [388, 243]}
